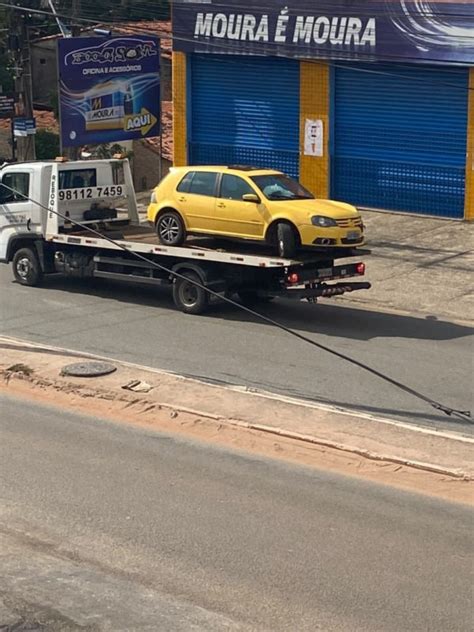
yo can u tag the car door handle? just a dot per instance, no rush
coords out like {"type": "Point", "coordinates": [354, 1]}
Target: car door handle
{"type": "Point", "coordinates": [221, 205]}
{"type": "Point", "coordinates": [182, 199]}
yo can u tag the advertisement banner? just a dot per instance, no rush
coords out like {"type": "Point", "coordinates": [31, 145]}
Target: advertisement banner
{"type": "Point", "coordinates": [438, 31]}
{"type": "Point", "coordinates": [109, 89]}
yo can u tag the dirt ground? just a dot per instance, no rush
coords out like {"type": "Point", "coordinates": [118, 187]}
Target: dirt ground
{"type": "Point", "coordinates": [95, 397]}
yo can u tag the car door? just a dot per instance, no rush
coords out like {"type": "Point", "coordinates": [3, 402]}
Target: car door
{"type": "Point", "coordinates": [235, 216]}
{"type": "Point", "coordinates": [196, 200]}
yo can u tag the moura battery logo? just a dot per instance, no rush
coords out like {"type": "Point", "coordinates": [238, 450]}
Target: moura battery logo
{"type": "Point", "coordinates": [108, 105]}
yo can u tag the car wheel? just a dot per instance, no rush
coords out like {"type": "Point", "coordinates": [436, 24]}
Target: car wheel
{"type": "Point", "coordinates": [286, 240]}
{"type": "Point", "coordinates": [26, 267]}
{"type": "Point", "coordinates": [189, 297]}
{"type": "Point", "coordinates": [170, 229]}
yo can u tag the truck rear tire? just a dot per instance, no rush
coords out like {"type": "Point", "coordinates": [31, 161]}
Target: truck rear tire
{"type": "Point", "coordinates": [189, 297]}
{"type": "Point", "coordinates": [26, 267]}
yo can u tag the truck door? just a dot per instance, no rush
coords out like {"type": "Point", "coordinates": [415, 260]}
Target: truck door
{"type": "Point", "coordinates": [15, 210]}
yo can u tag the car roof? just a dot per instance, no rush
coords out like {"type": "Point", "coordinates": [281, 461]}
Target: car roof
{"type": "Point", "coordinates": [236, 169]}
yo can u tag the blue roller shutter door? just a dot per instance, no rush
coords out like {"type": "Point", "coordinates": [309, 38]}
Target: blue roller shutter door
{"type": "Point", "coordinates": [244, 110]}
{"type": "Point", "coordinates": [400, 137]}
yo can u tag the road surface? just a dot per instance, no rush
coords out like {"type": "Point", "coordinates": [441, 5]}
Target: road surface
{"type": "Point", "coordinates": [129, 530]}
{"type": "Point", "coordinates": [141, 325]}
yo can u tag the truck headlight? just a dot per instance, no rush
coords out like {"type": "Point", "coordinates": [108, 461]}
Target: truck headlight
{"type": "Point", "coordinates": [324, 222]}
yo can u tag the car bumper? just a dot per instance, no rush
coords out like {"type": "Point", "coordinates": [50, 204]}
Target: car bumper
{"type": "Point", "coordinates": [151, 212]}
{"type": "Point", "coordinates": [331, 237]}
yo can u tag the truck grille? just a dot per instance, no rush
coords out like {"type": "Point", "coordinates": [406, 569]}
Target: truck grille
{"type": "Point", "coordinates": [350, 222]}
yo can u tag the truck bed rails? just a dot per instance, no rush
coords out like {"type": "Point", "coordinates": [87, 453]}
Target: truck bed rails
{"type": "Point", "coordinates": [142, 238]}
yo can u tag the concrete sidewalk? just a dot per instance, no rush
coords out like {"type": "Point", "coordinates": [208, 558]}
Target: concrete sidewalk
{"type": "Point", "coordinates": [420, 265]}
{"type": "Point", "coordinates": [386, 450]}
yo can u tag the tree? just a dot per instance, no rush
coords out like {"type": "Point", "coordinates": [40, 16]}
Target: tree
{"type": "Point", "coordinates": [46, 144]}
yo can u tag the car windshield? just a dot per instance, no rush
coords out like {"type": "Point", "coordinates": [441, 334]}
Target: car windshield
{"type": "Point", "coordinates": [281, 187]}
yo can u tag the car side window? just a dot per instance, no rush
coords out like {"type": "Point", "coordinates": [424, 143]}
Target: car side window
{"type": "Point", "coordinates": [233, 187]}
{"type": "Point", "coordinates": [183, 186]}
{"type": "Point", "coordinates": [19, 182]}
{"type": "Point", "coordinates": [203, 183]}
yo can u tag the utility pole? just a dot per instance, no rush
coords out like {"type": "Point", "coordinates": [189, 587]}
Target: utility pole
{"type": "Point", "coordinates": [19, 45]}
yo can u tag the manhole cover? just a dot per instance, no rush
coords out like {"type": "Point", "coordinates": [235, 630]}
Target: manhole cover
{"type": "Point", "coordinates": [88, 369]}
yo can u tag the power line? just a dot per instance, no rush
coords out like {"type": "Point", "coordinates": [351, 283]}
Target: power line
{"type": "Point", "coordinates": [230, 48]}
{"type": "Point", "coordinates": [464, 415]}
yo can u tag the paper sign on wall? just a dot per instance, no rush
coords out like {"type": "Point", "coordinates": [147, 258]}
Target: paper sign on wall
{"type": "Point", "coordinates": [313, 138]}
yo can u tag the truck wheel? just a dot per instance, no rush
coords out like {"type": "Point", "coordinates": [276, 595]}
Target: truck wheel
{"type": "Point", "coordinates": [26, 267]}
{"type": "Point", "coordinates": [170, 229]}
{"type": "Point", "coordinates": [286, 240]}
{"type": "Point", "coordinates": [187, 296]}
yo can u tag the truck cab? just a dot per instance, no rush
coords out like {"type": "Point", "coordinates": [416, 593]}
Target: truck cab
{"type": "Point", "coordinates": [86, 192]}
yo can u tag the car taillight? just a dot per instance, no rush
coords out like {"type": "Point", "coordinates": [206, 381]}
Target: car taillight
{"type": "Point", "coordinates": [360, 268]}
{"type": "Point", "coordinates": [293, 278]}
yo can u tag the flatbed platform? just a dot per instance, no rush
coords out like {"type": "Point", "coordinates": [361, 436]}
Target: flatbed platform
{"type": "Point", "coordinates": [142, 238]}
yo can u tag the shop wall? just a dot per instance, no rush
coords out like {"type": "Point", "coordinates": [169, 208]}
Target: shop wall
{"type": "Point", "coordinates": [180, 110]}
{"type": "Point", "coordinates": [469, 206]}
{"type": "Point", "coordinates": [314, 106]}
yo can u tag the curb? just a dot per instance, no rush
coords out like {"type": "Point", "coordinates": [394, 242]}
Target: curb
{"type": "Point", "coordinates": [21, 345]}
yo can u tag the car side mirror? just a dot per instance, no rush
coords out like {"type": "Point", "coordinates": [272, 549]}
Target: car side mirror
{"type": "Point", "coordinates": [251, 197]}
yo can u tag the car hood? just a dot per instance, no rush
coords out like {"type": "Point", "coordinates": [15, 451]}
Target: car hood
{"type": "Point", "coordinates": [329, 208]}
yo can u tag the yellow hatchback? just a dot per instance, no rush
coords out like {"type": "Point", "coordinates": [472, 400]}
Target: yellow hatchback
{"type": "Point", "coordinates": [247, 203]}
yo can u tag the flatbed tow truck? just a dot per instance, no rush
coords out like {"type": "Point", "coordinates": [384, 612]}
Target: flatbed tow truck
{"type": "Point", "coordinates": [48, 211]}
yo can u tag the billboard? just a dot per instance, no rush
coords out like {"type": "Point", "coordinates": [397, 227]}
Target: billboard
{"type": "Point", "coordinates": [390, 30]}
{"type": "Point", "coordinates": [109, 89]}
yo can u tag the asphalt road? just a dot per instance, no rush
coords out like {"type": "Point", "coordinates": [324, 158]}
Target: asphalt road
{"type": "Point", "coordinates": [141, 325]}
{"type": "Point", "coordinates": [127, 529]}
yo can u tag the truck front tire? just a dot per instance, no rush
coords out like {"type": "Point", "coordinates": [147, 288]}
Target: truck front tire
{"type": "Point", "coordinates": [26, 267]}
{"type": "Point", "coordinates": [189, 297]}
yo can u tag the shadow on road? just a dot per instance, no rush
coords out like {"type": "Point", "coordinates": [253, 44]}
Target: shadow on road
{"type": "Point", "coordinates": [330, 320]}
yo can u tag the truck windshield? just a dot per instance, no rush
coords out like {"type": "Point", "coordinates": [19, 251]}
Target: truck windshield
{"type": "Point", "coordinates": [281, 187]}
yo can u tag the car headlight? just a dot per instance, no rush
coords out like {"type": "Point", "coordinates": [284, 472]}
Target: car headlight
{"type": "Point", "coordinates": [324, 222]}
{"type": "Point", "coordinates": [153, 198]}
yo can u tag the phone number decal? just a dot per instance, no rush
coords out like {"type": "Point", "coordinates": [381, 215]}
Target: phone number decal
{"type": "Point", "coordinates": [90, 193]}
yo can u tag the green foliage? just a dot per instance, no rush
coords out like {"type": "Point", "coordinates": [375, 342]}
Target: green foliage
{"type": "Point", "coordinates": [106, 150]}
{"type": "Point", "coordinates": [46, 145]}
{"type": "Point", "coordinates": [6, 74]}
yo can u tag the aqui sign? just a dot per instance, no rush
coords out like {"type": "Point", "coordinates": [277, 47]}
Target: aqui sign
{"type": "Point", "coordinates": [109, 89]}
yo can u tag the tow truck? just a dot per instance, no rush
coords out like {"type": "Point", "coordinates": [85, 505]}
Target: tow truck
{"type": "Point", "coordinates": [81, 219]}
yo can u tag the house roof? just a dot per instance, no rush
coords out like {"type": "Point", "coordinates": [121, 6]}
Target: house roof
{"type": "Point", "coordinates": [167, 132]}
{"type": "Point", "coordinates": [44, 120]}
{"type": "Point", "coordinates": [47, 121]}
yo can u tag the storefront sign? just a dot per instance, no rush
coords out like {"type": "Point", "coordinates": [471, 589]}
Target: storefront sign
{"type": "Point", "coordinates": [313, 138]}
{"type": "Point", "coordinates": [7, 105]}
{"type": "Point", "coordinates": [394, 30]}
{"type": "Point", "coordinates": [109, 89]}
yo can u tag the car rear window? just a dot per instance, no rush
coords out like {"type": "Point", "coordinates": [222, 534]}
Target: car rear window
{"type": "Point", "coordinates": [203, 183]}
{"type": "Point", "coordinates": [199, 183]}
{"type": "Point", "coordinates": [183, 186]}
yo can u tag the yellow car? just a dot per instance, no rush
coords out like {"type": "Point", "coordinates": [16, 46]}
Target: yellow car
{"type": "Point", "coordinates": [247, 203]}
